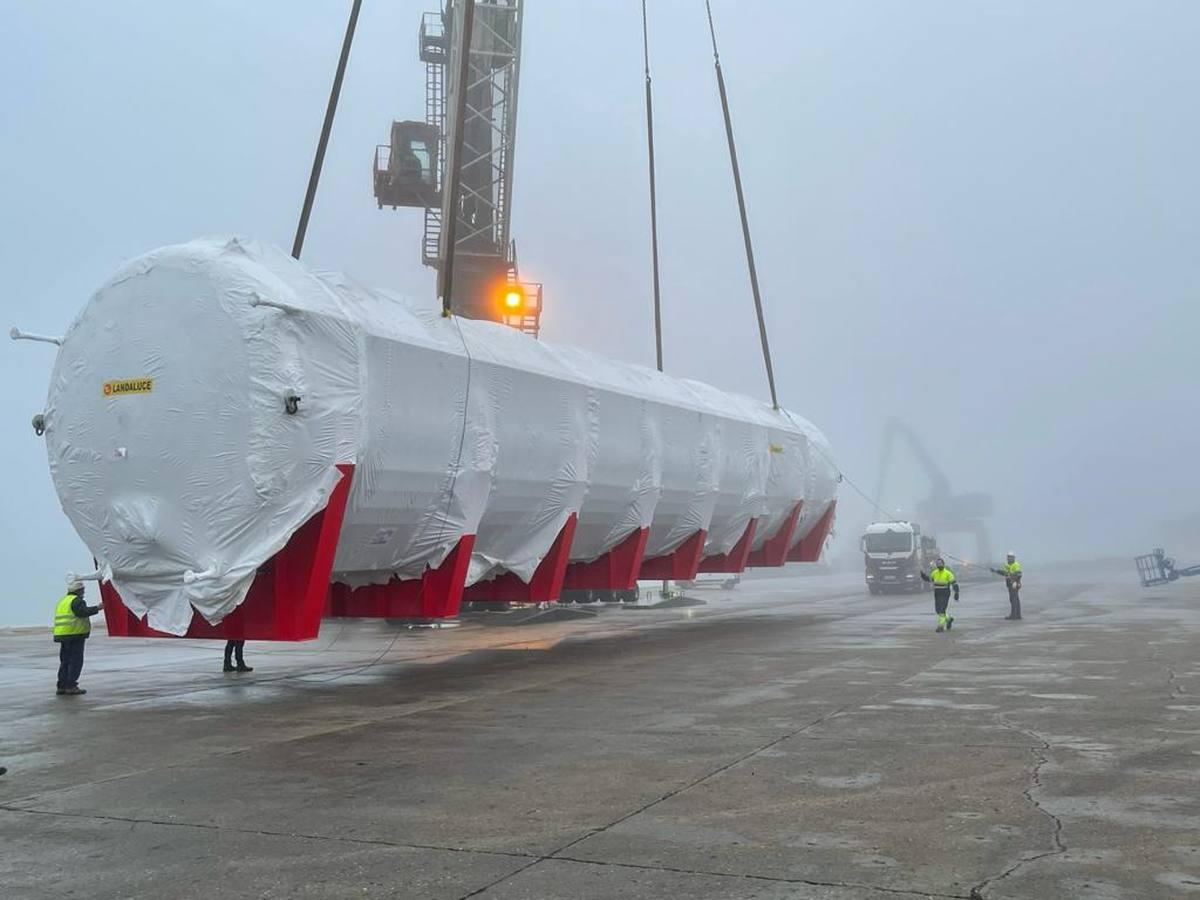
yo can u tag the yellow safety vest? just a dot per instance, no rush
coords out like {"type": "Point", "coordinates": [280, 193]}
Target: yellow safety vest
{"type": "Point", "coordinates": [66, 623]}
{"type": "Point", "coordinates": [942, 578]}
{"type": "Point", "coordinates": [1012, 568]}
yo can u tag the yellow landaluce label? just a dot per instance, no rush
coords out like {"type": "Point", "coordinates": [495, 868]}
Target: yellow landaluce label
{"type": "Point", "coordinates": [123, 386]}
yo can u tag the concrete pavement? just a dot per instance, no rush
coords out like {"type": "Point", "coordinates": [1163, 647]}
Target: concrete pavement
{"type": "Point", "coordinates": [792, 738]}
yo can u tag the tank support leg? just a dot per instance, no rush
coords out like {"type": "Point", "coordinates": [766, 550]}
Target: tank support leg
{"type": "Point", "coordinates": [810, 546]}
{"type": "Point", "coordinates": [616, 570]}
{"type": "Point", "coordinates": [437, 594]}
{"type": "Point", "coordinates": [736, 559]}
{"type": "Point", "coordinates": [546, 583]}
{"type": "Point", "coordinates": [774, 551]}
{"type": "Point", "coordinates": [679, 565]}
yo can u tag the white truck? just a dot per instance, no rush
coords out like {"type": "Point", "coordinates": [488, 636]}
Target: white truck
{"type": "Point", "coordinates": [895, 554]}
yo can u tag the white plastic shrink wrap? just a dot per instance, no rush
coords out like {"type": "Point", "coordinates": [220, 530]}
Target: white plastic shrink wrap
{"type": "Point", "coordinates": [177, 460]}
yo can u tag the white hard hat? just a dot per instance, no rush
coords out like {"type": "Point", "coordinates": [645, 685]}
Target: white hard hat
{"type": "Point", "coordinates": [74, 585]}
{"type": "Point", "coordinates": [1012, 553]}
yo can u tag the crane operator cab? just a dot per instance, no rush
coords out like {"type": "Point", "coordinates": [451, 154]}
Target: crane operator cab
{"type": "Point", "coordinates": [406, 171]}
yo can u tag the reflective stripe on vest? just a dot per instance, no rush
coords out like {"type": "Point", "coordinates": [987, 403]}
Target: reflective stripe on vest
{"type": "Point", "coordinates": [942, 578]}
{"type": "Point", "coordinates": [66, 623]}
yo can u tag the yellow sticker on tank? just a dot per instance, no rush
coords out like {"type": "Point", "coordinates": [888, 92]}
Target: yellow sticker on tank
{"type": "Point", "coordinates": [123, 386]}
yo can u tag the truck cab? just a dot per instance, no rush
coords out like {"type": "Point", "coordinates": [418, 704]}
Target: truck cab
{"type": "Point", "coordinates": [894, 555]}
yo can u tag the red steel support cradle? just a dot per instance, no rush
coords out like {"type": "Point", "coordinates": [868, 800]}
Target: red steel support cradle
{"type": "Point", "coordinates": [810, 546]}
{"type": "Point", "coordinates": [679, 565]}
{"type": "Point", "coordinates": [288, 594]}
{"type": "Point", "coordinates": [774, 552]}
{"type": "Point", "coordinates": [616, 570]}
{"type": "Point", "coordinates": [546, 583]}
{"type": "Point", "coordinates": [437, 594]}
{"type": "Point", "coordinates": [735, 560]}
{"type": "Point", "coordinates": [292, 590]}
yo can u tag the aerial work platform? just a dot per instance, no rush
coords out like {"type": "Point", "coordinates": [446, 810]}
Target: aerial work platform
{"type": "Point", "coordinates": [1157, 568]}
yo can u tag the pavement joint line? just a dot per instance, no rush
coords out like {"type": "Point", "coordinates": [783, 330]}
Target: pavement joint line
{"type": "Point", "coordinates": [953, 745]}
{"type": "Point", "coordinates": [778, 879]}
{"type": "Point", "coordinates": [511, 854]}
{"type": "Point", "coordinates": [555, 854]}
{"type": "Point", "coordinates": [1035, 782]}
{"type": "Point", "coordinates": [262, 832]}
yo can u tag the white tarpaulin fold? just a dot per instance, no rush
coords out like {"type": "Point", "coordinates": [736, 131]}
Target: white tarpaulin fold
{"type": "Point", "coordinates": [201, 401]}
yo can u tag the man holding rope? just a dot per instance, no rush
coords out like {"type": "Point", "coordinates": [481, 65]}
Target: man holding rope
{"type": "Point", "coordinates": [1012, 580]}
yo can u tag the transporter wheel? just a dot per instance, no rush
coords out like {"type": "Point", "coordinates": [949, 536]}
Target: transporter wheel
{"type": "Point", "coordinates": [873, 588]}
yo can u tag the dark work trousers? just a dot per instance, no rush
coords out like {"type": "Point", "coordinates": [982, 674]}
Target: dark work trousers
{"type": "Point", "coordinates": [232, 648]}
{"type": "Point", "coordinates": [941, 600]}
{"type": "Point", "coordinates": [70, 661]}
{"type": "Point", "coordinates": [1014, 601]}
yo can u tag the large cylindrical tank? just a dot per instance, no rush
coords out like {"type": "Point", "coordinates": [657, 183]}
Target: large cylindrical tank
{"type": "Point", "coordinates": [200, 404]}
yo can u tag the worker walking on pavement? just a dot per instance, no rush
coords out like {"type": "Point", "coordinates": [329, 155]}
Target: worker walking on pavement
{"type": "Point", "coordinates": [72, 625]}
{"type": "Point", "coordinates": [944, 582]}
{"type": "Point", "coordinates": [1012, 579]}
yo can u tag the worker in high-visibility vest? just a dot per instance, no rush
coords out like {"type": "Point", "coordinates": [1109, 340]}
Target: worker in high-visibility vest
{"type": "Point", "coordinates": [1011, 570]}
{"type": "Point", "coordinates": [944, 582]}
{"type": "Point", "coordinates": [72, 625]}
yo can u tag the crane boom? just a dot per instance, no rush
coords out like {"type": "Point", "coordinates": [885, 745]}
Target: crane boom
{"type": "Point", "coordinates": [422, 160]}
{"type": "Point", "coordinates": [943, 509]}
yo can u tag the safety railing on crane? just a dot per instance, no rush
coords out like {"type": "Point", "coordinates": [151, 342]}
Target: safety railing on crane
{"type": "Point", "coordinates": [432, 43]}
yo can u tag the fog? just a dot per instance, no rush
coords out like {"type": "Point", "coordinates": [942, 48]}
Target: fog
{"type": "Point", "coordinates": [979, 217]}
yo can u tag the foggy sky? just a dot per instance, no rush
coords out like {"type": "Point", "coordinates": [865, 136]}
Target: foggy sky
{"type": "Point", "coordinates": [978, 216]}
